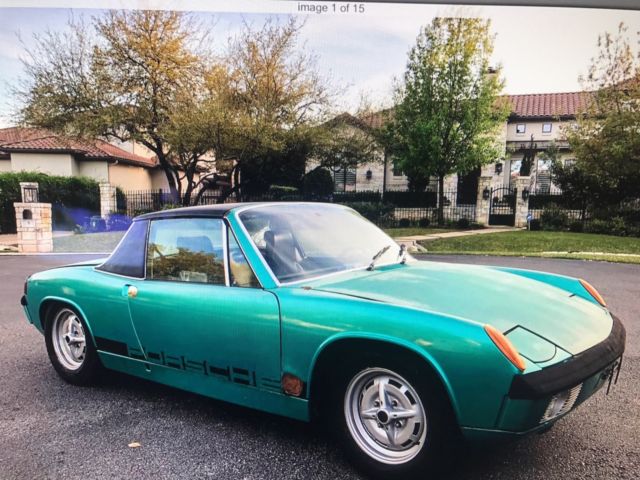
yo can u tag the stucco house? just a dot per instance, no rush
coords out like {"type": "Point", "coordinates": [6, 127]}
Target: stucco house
{"type": "Point", "coordinates": [40, 150]}
{"type": "Point", "coordinates": [536, 120]}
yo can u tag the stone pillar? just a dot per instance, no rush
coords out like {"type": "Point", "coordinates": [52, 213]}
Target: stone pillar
{"type": "Point", "coordinates": [33, 221]}
{"type": "Point", "coordinates": [482, 204]}
{"type": "Point", "coordinates": [522, 205]}
{"type": "Point", "coordinates": [107, 199]}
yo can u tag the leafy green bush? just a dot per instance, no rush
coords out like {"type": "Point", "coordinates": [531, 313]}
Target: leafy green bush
{"type": "Point", "coordinates": [283, 192]}
{"type": "Point", "coordinates": [535, 225]}
{"type": "Point", "coordinates": [554, 218]}
{"type": "Point", "coordinates": [462, 223]}
{"type": "Point", "coordinates": [74, 199]}
{"type": "Point", "coordinates": [597, 226]}
{"type": "Point", "coordinates": [617, 226]}
{"type": "Point", "coordinates": [576, 226]}
{"type": "Point", "coordinates": [404, 223]}
{"type": "Point", "coordinates": [378, 212]}
{"type": "Point", "coordinates": [424, 222]}
{"type": "Point", "coordinates": [318, 183]}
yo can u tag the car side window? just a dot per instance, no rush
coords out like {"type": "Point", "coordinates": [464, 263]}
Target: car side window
{"type": "Point", "coordinates": [240, 272]}
{"type": "Point", "coordinates": [186, 250]}
{"type": "Point", "coordinates": [128, 257]}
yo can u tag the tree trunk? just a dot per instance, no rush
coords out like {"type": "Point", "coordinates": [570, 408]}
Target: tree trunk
{"type": "Point", "coordinates": [440, 200]}
{"type": "Point", "coordinates": [170, 174]}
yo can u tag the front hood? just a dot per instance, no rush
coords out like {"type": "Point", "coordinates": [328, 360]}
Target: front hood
{"type": "Point", "coordinates": [481, 294]}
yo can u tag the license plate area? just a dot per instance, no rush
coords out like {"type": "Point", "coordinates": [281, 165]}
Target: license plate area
{"type": "Point", "coordinates": [611, 373]}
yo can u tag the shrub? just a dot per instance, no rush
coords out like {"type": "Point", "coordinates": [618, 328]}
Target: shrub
{"type": "Point", "coordinates": [576, 226]}
{"type": "Point", "coordinates": [617, 226]}
{"type": "Point", "coordinates": [597, 226]}
{"type": "Point", "coordinates": [283, 192]}
{"type": "Point", "coordinates": [377, 212]}
{"type": "Point", "coordinates": [74, 199]}
{"type": "Point", "coordinates": [534, 224]}
{"type": "Point", "coordinates": [424, 222]}
{"type": "Point", "coordinates": [404, 223]}
{"type": "Point", "coordinates": [553, 218]}
{"type": "Point", "coordinates": [318, 183]}
{"type": "Point", "coordinates": [462, 223]}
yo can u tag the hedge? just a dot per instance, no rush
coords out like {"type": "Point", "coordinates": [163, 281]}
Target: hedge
{"type": "Point", "coordinates": [73, 199]}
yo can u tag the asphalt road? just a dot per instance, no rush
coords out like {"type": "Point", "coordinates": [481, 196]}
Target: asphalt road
{"type": "Point", "coordinates": [49, 429]}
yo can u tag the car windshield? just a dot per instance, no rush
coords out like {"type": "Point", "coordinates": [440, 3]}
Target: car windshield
{"type": "Point", "coordinates": [303, 241]}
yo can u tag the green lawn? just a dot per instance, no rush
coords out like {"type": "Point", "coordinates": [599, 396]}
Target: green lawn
{"type": "Point", "coordinates": [543, 244]}
{"type": "Point", "coordinates": [87, 242]}
{"type": "Point", "coordinates": [409, 232]}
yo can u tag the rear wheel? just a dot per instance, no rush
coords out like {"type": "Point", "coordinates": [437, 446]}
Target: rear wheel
{"type": "Point", "coordinates": [70, 346]}
{"type": "Point", "coordinates": [395, 421]}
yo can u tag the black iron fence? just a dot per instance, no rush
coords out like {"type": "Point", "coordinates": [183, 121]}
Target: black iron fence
{"type": "Point", "coordinates": [389, 209]}
{"type": "Point", "coordinates": [555, 210]}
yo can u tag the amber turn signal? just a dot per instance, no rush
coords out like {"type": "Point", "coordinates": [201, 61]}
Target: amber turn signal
{"type": "Point", "coordinates": [505, 346]}
{"type": "Point", "coordinates": [292, 385]}
{"type": "Point", "coordinates": [593, 292]}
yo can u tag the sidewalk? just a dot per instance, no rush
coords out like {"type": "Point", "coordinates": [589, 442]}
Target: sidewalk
{"type": "Point", "coordinates": [9, 241]}
{"type": "Point", "coordinates": [414, 247]}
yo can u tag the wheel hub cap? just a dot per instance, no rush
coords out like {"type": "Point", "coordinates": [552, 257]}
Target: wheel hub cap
{"type": "Point", "coordinates": [68, 339]}
{"type": "Point", "coordinates": [385, 416]}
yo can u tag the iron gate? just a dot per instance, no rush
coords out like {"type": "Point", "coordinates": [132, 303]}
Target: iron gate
{"type": "Point", "coordinates": [502, 210]}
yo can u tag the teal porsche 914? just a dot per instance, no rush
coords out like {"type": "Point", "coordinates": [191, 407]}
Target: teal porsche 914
{"type": "Point", "coordinates": [308, 310]}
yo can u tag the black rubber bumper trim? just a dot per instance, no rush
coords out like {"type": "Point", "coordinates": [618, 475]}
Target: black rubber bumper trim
{"type": "Point", "coordinates": [23, 301]}
{"type": "Point", "coordinates": [573, 371]}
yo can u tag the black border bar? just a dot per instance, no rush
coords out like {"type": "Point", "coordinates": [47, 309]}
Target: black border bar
{"type": "Point", "coordinates": [605, 4]}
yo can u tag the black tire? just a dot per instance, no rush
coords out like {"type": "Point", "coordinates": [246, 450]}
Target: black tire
{"type": "Point", "coordinates": [90, 368]}
{"type": "Point", "coordinates": [442, 435]}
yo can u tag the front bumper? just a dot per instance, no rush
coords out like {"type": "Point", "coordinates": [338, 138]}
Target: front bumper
{"type": "Point", "coordinates": [573, 371]}
{"type": "Point", "coordinates": [524, 410]}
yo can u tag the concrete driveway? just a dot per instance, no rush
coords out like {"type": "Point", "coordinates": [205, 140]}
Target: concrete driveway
{"type": "Point", "coordinates": [49, 429]}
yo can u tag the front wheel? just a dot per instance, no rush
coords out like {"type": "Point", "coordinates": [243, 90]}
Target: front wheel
{"type": "Point", "coordinates": [396, 422]}
{"type": "Point", "coordinates": [70, 347]}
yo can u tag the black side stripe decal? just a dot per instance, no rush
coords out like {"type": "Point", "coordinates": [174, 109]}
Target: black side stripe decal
{"type": "Point", "coordinates": [112, 346]}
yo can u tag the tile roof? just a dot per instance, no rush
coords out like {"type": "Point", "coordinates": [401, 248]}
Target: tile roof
{"type": "Point", "coordinates": [17, 139]}
{"type": "Point", "coordinates": [541, 105]}
{"type": "Point", "coordinates": [548, 104]}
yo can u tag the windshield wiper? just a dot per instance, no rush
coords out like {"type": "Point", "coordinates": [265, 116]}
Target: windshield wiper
{"type": "Point", "coordinates": [403, 254]}
{"type": "Point", "coordinates": [375, 258]}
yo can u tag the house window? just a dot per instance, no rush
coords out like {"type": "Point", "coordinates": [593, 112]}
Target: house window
{"type": "Point", "coordinates": [521, 128]}
{"type": "Point", "coordinates": [343, 178]}
{"type": "Point", "coordinates": [397, 171]}
{"type": "Point", "coordinates": [546, 128]}
{"type": "Point", "coordinates": [569, 162]}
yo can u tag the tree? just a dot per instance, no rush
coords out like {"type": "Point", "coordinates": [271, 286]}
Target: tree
{"type": "Point", "coordinates": [279, 98]}
{"type": "Point", "coordinates": [606, 137]}
{"type": "Point", "coordinates": [122, 80]}
{"type": "Point", "coordinates": [344, 143]}
{"type": "Point", "coordinates": [148, 77]}
{"type": "Point", "coordinates": [446, 116]}
{"type": "Point", "coordinates": [579, 189]}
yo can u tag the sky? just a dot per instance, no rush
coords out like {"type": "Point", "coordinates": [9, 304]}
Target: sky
{"type": "Point", "coordinates": [541, 50]}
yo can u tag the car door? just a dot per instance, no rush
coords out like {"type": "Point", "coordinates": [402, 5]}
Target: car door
{"type": "Point", "coordinates": [190, 315]}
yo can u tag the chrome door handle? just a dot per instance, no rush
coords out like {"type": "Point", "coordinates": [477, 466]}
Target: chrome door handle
{"type": "Point", "coordinates": [132, 291]}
